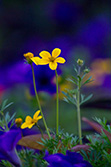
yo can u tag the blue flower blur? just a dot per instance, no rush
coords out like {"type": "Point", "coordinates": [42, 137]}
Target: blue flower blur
{"type": "Point", "coordinates": [71, 159]}
{"type": "Point", "coordinates": [8, 141]}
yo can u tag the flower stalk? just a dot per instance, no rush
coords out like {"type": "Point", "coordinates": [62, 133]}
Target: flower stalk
{"type": "Point", "coordinates": [57, 104]}
{"type": "Point", "coordinates": [78, 108]}
{"type": "Point", "coordinates": [37, 98]}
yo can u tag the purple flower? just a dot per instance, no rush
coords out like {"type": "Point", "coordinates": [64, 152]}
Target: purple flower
{"type": "Point", "coordinates": [71, 159]}
{"type": "Point", "coordinates": [8, 141]}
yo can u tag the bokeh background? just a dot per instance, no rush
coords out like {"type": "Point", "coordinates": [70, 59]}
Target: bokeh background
{"type": "Point", "coordinates": [81, 29]}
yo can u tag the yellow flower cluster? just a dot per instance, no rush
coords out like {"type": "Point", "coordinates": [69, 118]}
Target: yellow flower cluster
{"type": "Point", "coordinates": [47, 58]}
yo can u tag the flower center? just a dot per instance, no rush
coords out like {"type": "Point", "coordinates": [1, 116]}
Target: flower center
{"type": "Point", "coordinates": [34, 120]}
{"type": "Point", "coordinates": [52, 59]}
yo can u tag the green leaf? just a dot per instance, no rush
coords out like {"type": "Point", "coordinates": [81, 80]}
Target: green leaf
{"type": "Point", "coordinates": [86, 99]}
{"type": "Point", "coordinates": [75, 69]}
{"type": "Point", "coordinates": [65, 99]}
{"type": "Point", "coordinates": [73, 81]}
{"type": "Point", "coordinates": [83, 76]}
{"type": "Point", "coordinates": [74, 78]}
{"type": "Point", "coordinates": [69, 99]}
{"type": "Point", "coordinates": [8, 105]}
{"type": "Point", "coordinates": [82, 97]}
{"type": "Point", "coordinates": [79, 78]}
{"type": "Point", "coordinates": [88, 80]}
{"type": "Point", "coordinates": [4, 106]}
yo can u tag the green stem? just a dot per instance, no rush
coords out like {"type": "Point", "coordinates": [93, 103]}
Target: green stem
{"type": "Point", "coordinates": [78, 109]}
{"type": "Point", "coordinates": [57, 104]}
{"type": "Point", "coordinates": [40, 130]}
{"type": "Point", "coordinates": [79, 116]}
{"type": "Point", "coordinates": [39, 101]}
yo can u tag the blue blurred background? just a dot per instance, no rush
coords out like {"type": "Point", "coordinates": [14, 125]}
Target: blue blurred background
{"type": "Point", "coordinates": [81, 29]}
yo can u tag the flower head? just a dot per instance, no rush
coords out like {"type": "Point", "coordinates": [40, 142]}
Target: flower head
{"type": "Point", "coordinates": [71, 159]}
{"type": "Point", "coordinates": [29, 122]}
{"type": "Point", "coordinates": [29, 57]}
{"type": "Point", "coordinates": [18, 121]}
{"type": "Point", "coordinates": [80, 62]}
{"type": "Point", "coordinates": [47, 58]}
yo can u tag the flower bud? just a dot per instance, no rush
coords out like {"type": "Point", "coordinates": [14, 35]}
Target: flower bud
{"type": "Point", "coordinates": [18, 121]}
{"type": "Point", "coordinates": [86, 70]}
{"type": "Point", "coordinates": [80, 62]}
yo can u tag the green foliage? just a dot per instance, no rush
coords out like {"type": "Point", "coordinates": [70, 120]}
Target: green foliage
{"type": "Point", "coordinates": [40, 162]}
{"type": "Point", "coordinates": [103, 123]}
{"type": "Point", "coordinates": [4, 163]}
{"type": "Point", "coordinates": [4, 105]}
{"type": "Point", "coordinates": [5, 118]}
{"type": "Point", "coordinates": [99, 154]}
{"type": "Point", "coordinates": [60, 143]}
{"type": "Point", "coordinates": [78, 81]}
{"type": "Point", "coordinates": [27, 157]}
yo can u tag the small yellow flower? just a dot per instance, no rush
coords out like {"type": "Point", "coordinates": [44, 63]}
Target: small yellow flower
{"type": "Point", "coordinates": [29, 122]}
{"type": "Point", "coordinates": [47, 58]}
{"type": "Point", "coordinates": [18, 121]}
{"type": "Point", "coordinates": [29, 57]}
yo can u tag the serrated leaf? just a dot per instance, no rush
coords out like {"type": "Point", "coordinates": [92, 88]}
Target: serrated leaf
{"type": "Point", "coordinates": [31, 141]}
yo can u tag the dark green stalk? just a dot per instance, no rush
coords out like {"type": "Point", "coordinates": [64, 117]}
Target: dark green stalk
{"type": "Point", "coordinates": [57, 104]}
{"type": "Point", "coordinates": [40, 130]}
{"type": "Point", "coordinates": [37, 98]}
{"type": "Point", "coordinates": [78, 108]}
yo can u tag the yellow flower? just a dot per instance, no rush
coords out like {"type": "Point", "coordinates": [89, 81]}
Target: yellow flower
{"type": "Point", "coordinates": [29, 57]}
{"type": "Point", "coordinates": [29, 122]}
{"type": "Point", "coordinates": [18, 121]}
{"type": "Point", "coordinates": [47, 58]}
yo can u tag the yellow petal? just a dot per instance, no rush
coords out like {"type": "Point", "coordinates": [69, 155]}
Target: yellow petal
{"type": "Point", "coordinates": [28, 119]}
{"type": "Point", "coordinates": [56, 52]}
{"type": "Point", "coordinates": [36, 114]}
{"type": "Point", "coordinates": [28, 55]}
{"type": "Point", "coordinates": [53, 65]}
{"type": "Point", "coordinates": [45, 54]}
{"type": "Point", "coordinates": [39, 117]}
{"type": "Point", "coordinates": [60, 60]}
{"type": "Point", "coordinates": [36, 60]}
{"type": "Point", "coordinates": [30, 126]}
{"type": "Point", "coordinates": [24, 125]}
{"type": "Point", "coordinates": [44, 61]}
